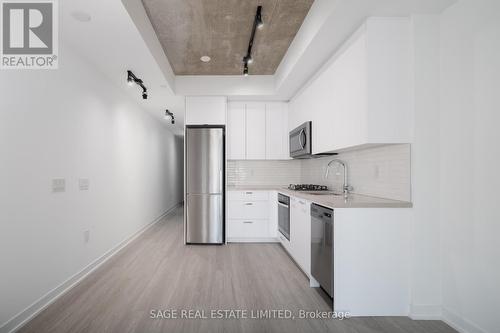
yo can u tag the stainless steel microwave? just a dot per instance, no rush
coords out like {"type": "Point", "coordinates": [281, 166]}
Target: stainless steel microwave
{"type": "Point", "coordinates": [300, 141]}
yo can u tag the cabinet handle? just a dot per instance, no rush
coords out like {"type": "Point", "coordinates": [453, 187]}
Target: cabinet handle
{"type": "Point", "coordinates": [248, 192]}
{"type": "Point", "coordinates": [248, 204]}
{"type": "Point", "coordinates": [248, 222]}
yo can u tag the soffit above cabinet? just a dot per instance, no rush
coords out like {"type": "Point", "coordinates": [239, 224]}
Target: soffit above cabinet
{"type": "Point", "coordinates": [220, 29]}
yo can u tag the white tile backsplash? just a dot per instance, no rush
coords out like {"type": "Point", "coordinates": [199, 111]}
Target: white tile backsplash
{"type": "Point", "coordinates": [263, 172]}
{"type": "Point", "coordinates": [381, 171]}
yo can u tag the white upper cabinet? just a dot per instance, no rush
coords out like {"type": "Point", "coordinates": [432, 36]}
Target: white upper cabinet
{"type": "Point", "coordinates": [257, 130]}
{"type": "Point", "coordinates": [206, 110]}
{"type": "Point", "coordinates": [236, 131]}
{"type": "Point", "coordinates": [362, 95]}
{"type": "Point", "coordinates": [277, 131]}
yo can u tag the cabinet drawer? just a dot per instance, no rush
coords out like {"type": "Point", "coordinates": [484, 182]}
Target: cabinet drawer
{"type": "Point", "coordinates": [248, 228]}
{"type": "Point", "coordinates": [248, 210]}
{"type": "Point", "coordinates": [248, 195]}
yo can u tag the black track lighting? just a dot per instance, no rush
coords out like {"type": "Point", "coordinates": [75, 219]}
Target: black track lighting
{"type": "Point", "coordinates": [131, 79]}
{"type": "Point", "coordinates": [258, 17]}
{"type": "Point", "coordinates": [169, 116]}
{"type": "Point", "coordinates": [257, 23]}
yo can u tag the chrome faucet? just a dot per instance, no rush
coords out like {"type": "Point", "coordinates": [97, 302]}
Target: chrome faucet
{"type": "Point", "coordinates": [345, 187]}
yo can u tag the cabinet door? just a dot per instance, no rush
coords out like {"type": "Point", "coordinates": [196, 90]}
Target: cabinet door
{"type": "Point", "coordinates": [256, 131]}
{"type": "Point", "coordinates": [236, 130]}
{"type": "Point", "coordinates": [304, 241]}
{"type": "Point", "coordinates": [300, 233]}
{"type": "Point", "coordinates": [202, 110]}
{"type": "Point", "coordinates": [276, 131]}
{"type": "Point", "coordinates": [294, 230]}
{"type": "Point", "coordinates": [273, 214]}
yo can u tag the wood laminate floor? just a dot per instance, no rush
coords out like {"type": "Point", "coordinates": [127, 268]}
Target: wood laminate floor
{"type": "Point", "coordinates": [158, 272]}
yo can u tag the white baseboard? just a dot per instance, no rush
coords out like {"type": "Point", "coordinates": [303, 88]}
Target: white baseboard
{"type": "Point", "coordinates": [425, 312]}
{"type": "Point", "coordinates": [437, 312]}
{"type": "Point", "coordinates": [459, 323]}
{"type": "Point", "coordinates": [19, 320]}
{"type": "Point", "coordinates": [252, 240]}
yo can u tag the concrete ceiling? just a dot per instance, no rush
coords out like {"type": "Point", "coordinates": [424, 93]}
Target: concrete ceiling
{"type": "Point", "coordinates": [189, 29]}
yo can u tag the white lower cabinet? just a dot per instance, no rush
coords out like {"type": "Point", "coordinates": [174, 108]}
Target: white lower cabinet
{"type": "Point", "coordinates": [300, 233]}
{"type": "Point", "coordinates": [251, 217]}
{"type": "Point", "coordinates": [372, 261]}
{"type": "Point", "coordinates": [371, 256]}
{"type": "Point", "coordinates": [247, 228]}
{"type": "Point", "coordinates": [248, 210]}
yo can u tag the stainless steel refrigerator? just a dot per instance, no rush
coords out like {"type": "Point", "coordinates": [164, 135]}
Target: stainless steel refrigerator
{"type": "Point", "coordinates": [205, 174]}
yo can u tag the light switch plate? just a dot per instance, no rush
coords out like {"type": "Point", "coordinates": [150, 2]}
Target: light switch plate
{"type": "Point", "coordinates": [58, 185]}
{"type": "Point", "coordinates": [83, 184]}
{"type": "Point", "coordinates": [86, 236]}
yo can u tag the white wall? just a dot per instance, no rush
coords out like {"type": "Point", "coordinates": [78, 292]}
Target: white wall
{"type": "Point", "coordinates": [70, 123]}
{"type": "Point", "coordinates": [425, 153]}
{"type": "Point", "coordinates": [470, 164]}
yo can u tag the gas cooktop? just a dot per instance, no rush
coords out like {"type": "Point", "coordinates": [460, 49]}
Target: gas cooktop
{"type": "Point", "coordinates": [307, 187]}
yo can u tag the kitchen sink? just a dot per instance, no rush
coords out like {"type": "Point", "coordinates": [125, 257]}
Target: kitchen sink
{"type": "Point", "coordinates": [322, 193]}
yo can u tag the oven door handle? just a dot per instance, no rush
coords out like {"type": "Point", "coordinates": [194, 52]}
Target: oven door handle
{"type": "Point", "coordinates": [283, 205]}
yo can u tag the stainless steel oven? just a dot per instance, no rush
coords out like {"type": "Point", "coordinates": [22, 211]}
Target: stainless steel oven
{"type": "Point", "coordinates": [300, 141]}
{"type": "Point", "coordinates": [284, 215]}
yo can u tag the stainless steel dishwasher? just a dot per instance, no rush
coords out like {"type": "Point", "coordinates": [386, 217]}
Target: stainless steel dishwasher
{"type": "Point", "coordinates": [322, 247]}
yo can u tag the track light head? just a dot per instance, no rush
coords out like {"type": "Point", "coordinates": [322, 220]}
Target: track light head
{"type": "Point", "coordinates": [258, 17]}
{"type": "Point", "coordinates": [169, 116]}
{"type": "Point", "coordinates": [131, 79]}
{"type": "Point", "coordinates": [247, 59]}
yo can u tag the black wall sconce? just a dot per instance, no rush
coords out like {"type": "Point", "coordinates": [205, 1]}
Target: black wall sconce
{"type": "Point", "coordinates": [169, 116]}
{"type": "Point", "coordinates": [131, 79]}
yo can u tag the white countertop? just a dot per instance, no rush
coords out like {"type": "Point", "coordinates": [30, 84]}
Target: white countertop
{"type": "Point", "coordinates": [329, 200]}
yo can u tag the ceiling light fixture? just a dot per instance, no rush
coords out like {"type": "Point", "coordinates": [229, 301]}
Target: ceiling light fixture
{"type": "Point", "coordinates": [131, 79]}
{"type": "Point", "coordinates": [169, 116]}
{"type": "Point", "coordinates": [257, 23]}
{"type": "Point", "coordinates": [205, 58]}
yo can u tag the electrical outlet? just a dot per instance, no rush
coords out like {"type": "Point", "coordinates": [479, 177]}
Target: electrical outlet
{"type": "Point", "coordinates": [86, 236]}
{"type": "Point", "coordinates": [58, 185]}
{"type": "Point", "coordinates": [376, 172]}
{"type": "Point", "coordinates": [83, 184]}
